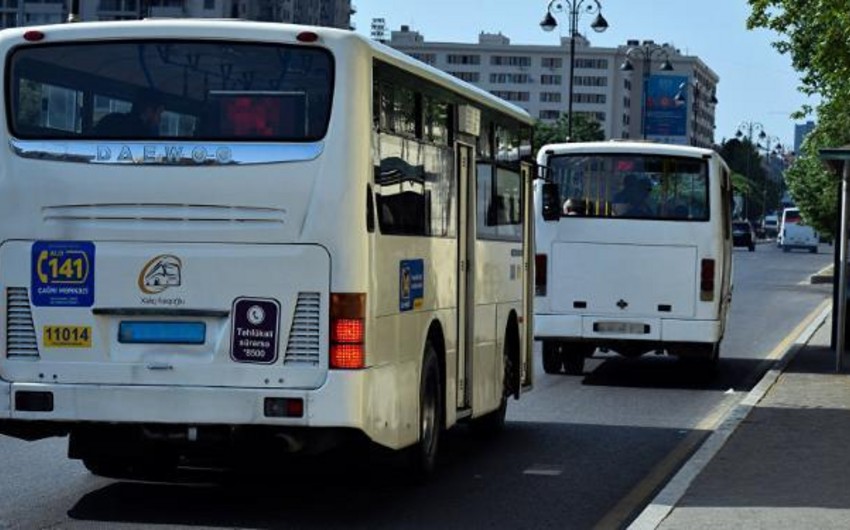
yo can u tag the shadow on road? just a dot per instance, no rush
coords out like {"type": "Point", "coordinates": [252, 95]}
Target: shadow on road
{"type": "Point", "coordinates": [741, 375]}
{"type": "Point", "coordinates": [535, 475]}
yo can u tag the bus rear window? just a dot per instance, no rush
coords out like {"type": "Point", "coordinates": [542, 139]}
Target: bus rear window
{"type": "Point", "coordinates": [180, 90]}
{"type": "Point", "coordinates": [632, 186]}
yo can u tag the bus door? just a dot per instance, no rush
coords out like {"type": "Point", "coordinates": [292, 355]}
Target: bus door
{"type": "Point", "coordinates": [524, 373]}
{"type": "Point", "coordinates": [465, 270]}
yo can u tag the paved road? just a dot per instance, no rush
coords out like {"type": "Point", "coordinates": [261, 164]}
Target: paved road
{"type": "Point", "coordinates": [577, 451]}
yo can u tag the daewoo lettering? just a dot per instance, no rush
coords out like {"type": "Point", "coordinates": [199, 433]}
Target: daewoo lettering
{"type": "Point", "coordinates": [163, 154]}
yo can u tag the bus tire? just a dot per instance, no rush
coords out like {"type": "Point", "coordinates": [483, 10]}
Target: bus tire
{"type": "Point", "coordinates": [703, 356]}
{"type": "Point", "coordinates": [574, 362]}
{"type": "Point", "coordinates": [552, 360]}
{"type": "Point", "coordinates": [423, 455]}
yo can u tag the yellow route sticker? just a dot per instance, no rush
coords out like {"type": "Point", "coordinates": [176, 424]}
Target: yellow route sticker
{"type": "Point", "coordinates": [66, 336]}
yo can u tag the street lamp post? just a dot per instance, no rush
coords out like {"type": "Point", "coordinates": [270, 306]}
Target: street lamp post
{"type": "Point", "coordinates": [573, 9]}
{"type": "Point", "coordinates": [681, 97]}
{"type": "Point", "coordinates": [746, 129]}
{"type": "Point", "coordinates": [769, 152]}
{"type": "Point", "coordinates": [646, 51]}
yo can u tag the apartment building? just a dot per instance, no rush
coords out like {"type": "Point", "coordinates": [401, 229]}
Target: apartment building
{"type": "Point", "coordinates": [333, 13]}
{"type": "Point", "coordinates": [679, 107]}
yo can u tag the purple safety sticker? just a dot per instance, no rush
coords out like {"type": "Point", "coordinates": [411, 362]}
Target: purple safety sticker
{"type": "Point", "coordinates": [255, 330]}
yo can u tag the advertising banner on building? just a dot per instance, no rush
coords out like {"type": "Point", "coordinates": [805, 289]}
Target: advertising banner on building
{"type": "Point", "coordinates": [666, 118]}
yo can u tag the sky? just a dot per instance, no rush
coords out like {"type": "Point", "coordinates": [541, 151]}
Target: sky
{"type": "Point", "coordinates": [757, 84]}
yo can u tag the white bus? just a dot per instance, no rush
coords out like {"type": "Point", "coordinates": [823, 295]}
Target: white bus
{"type": "Point", "coordinates": [321, 240]}
{"type": "Point", "coordinates": [633, 251]}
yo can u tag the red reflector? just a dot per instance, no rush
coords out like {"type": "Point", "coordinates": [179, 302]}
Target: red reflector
{"type": "Point", "coordinates": [33, 36]}
{"type": "Point", "coordinates": [706, 285]}
{"type": "Point", "coordinates": [347, 356]}
{"type": "Point", "coordinates": [284, 407]}
{"type": "Point", "coordinates": [307, 36]}
{"type": "Point", "coordinates": [707, 270]}
{"type": "Point", "coordinates": [540, 261]}
{"type": "Point", "coordinates": [294, 408]}
{"type": "Point", "coordinates": [347, 330]}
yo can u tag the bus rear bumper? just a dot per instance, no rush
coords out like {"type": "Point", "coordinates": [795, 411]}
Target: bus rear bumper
{"type": "Point", "coordinates": [342, 402]}
{"type": "Point", "coordinates": [575, 327]}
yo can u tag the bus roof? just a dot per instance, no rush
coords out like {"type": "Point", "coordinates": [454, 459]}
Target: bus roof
{"type": "Point", "coordinates": [164, 28]}
{"type": "Point", "coordinates": [623, 146]}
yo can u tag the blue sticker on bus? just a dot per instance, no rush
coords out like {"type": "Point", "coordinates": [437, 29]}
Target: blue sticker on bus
{"type": "Point", "coordinates": [62, 273]}
{"type": "Point", "coordinates": [411, 284]}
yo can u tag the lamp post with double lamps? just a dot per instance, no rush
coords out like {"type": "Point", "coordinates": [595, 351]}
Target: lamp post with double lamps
{"type": "Point", "coordinates": [699, 97]}
{"type": "Point", "coordinates": [769, 153]}
{"type": "Point", "coordinates": [746, 129]}
{"type": "Point", "coordinates": [645, 51]}
{"type": "Point", "coordinates": [573, 9]}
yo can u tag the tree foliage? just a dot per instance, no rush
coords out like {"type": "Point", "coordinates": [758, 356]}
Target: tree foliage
{"type": "Point", "coordinates": [749, 178]}
{"type": "Point", "coordinates": [585, 129]}
{"type": "Point", "coordinates": [814, 34]}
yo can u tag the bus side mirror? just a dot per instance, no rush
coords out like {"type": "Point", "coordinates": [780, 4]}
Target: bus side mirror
{"type": "Point", "coordinates": [551, 202]}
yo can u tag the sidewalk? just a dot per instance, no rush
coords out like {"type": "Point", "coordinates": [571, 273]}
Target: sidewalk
{"type": "Point", "coordinates": [787, 464]}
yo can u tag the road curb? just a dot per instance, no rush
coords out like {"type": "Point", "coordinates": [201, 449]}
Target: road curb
{"type": "Point", "coordinates": [665, 501]}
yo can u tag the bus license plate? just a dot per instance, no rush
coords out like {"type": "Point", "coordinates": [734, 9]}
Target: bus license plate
{"type": "Point", "coordinates": [136, 332]}
{"type": "Point", "coordinates": [66, 336]}
{"type": "Point", "coordinates": [627, 328]}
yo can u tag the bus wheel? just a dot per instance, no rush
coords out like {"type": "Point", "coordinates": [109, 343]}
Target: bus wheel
{"type": "Point", "coordinates": [574, 362]}
{"type": "Point", "coordinates": [551, 357]}
{"type": "Point", "coordinates": [573, 355]}
{"type": "Point", "coordinates": [423, 455]}
{"type": "Point", "coordinates": [704, 356]}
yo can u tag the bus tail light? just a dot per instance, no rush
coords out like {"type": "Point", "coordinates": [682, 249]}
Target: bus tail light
{"type": "Point", "coordinates": [348, 331]}
{"type": "Point", "coordinates": [706, 280]}
{"type": "Point", "coordinates": [540, 274]}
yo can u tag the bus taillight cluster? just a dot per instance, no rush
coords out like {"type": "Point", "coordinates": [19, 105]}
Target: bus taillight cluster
{"type": "Point", "coordinates": [348, 331]}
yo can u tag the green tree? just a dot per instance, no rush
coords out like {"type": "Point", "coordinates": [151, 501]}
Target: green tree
{"type": "Point", "coordinates": [749, 179]}
{"type": "Point", "coordinates": [585, 129]}
{"type": "Point", "coordinates": [814, 34]}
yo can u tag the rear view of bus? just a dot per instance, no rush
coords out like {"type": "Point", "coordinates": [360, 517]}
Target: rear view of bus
{"type": "Point", "coordinates": [229, 238]}
{"type": "Point", "coordinates": [158, 263]}
{"type": "Point", "coordinates": [633, 252]}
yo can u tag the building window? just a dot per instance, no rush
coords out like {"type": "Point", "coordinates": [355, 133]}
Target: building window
{"type": "Point", "coordinates": [550, 79]}
{"type": "Point", "coordinates": [589, 80]}
{"type": "Point", "coordinates": [510, 95]}
{"type": "Point", "coordinates": [469, 77]}
{"type": "Point", "coordinates": [589, 98]}
{"type": "Point", "coordinates": [549, 114]}
{"type": "Point", "coordinates": [463, 59]}
{"type": "Point", "coordinates": [500, 79]}
{"type": "Point", "coordinates": [550, 97]}
{"type": "Point", "coordinates": [551, 62]}
{"type": "Point", "coordinates": [593, 64]}
{"type": "Point", "coordinates": [427, 58]}
{"type": "Point", "coordinates": [510, 60]}
{"type": "Point", "coordinates": [598, 116]}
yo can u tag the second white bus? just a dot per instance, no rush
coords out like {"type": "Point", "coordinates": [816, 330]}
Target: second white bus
{"type": "Point", "coordinates": [633, 251]}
